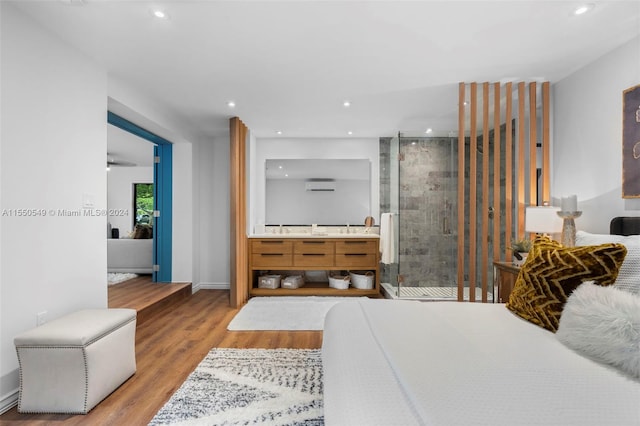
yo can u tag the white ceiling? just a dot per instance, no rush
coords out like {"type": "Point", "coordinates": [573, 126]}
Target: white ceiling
{"type": "Point", "coordinates": [289, 65]}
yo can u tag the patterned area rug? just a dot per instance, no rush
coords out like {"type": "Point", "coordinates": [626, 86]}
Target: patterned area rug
{"type": "Point", "coordinates": [249, 387]}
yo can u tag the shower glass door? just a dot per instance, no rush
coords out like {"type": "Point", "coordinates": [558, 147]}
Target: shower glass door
{"type": "Point", "coordinates": [422, 194]}
{"type": "Point", "coordinates": [389, 203]}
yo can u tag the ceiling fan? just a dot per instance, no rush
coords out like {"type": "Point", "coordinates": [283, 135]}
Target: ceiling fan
{"type": "Point", "coordinates": [112, 162]}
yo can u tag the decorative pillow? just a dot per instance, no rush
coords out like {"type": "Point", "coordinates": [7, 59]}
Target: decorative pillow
{"type": "Point", "coordinates": [552, 272]}
{"type": "Point", "coordinates": [603, 323]}
{"type": "Point", "coordinates": [629, 274]}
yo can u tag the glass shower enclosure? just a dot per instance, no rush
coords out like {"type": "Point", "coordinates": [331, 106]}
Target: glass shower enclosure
{"type": "Point", "coordinates": [418, 186]}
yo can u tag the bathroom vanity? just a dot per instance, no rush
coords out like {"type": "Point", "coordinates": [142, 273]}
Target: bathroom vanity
{"type": "Point", "coordinates": [340, 252]}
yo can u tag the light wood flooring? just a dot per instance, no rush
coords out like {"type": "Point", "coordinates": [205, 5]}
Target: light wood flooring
{"type": "Point", "coordinates": [169, 345]}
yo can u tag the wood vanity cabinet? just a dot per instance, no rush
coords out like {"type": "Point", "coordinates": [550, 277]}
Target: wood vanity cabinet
{"type": "Point", "coordinates": [308, 254]}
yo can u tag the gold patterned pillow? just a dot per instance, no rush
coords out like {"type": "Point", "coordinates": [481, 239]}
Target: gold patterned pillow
{"type": "Point", "coordinates": [552, 272]}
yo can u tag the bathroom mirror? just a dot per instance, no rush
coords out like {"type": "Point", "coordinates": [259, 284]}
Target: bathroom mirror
{"type": "Point", "coordinates": [321, 191]}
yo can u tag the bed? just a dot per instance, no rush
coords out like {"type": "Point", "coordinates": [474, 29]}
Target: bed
{"type": "Point", "coordinates": [394, 362]}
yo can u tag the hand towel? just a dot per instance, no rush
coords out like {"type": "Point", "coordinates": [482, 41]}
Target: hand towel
{"type": "Point", "coordinates": [387, 239]}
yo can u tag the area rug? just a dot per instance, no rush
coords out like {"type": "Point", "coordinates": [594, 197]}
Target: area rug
{"type": "Point", "coordinates": [117, 277]}
{"type": "Point", "coordinates": [249, 387]}
{"type": "Point", "coordinates": [285, 313]}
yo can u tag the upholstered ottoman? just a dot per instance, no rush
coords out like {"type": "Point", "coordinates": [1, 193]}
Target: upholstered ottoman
{"type": "Point", "coordinates": [70, 364]}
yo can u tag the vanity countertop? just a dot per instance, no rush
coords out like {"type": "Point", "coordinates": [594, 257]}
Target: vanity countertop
{"type": "Point", "coordinates": [318, 235]}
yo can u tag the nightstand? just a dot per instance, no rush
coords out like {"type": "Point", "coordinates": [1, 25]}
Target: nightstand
{"type": "Point", "coordinates": [504, 278]}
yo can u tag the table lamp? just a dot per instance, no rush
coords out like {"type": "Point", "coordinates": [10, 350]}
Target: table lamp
{"type": "Point", "coordinates": [542, 220]}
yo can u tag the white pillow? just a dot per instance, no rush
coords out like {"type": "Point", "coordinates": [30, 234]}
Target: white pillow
{"type": "Point", "coordinates": [603, 323]}
{"type": "Point", "coordinates": [629, 274]}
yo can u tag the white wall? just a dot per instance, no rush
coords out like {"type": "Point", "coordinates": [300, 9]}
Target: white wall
{"type": "Point", "coordinates": [358, 148]}
{"type": "Point", "coordinates": [587, 137]}
{"type": "Point", "coordinates": [54, 141]}
{"type": "Point", "coordinates": [182, 208]}
{"type": "Point", "coordinates": [211, 221]}
{"type": "Point", "coordinates": [120, 182]}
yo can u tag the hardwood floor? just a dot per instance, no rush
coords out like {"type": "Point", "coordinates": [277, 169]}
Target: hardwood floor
{"type": "Point", "coordinates": [168, 348]}
{"type": "Point", "coordinates": [146, 297]}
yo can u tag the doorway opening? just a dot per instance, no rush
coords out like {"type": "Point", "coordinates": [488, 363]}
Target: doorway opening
{"type": "Point", "coordinates": [161, 197]}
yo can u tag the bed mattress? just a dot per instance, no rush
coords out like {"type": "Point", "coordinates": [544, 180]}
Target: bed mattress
{"type": "Point", "coordinates": [447, 363]}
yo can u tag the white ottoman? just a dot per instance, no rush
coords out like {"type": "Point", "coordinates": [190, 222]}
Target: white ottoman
{"type": "Point", "coordinates": [70, 364]}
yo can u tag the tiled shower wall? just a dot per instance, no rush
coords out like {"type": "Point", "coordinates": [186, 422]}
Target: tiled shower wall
{"type": "Point", "coordinates": [427, 216]}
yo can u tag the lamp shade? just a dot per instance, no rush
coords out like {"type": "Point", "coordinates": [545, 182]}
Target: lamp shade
{"type": "Point", "coordinates": [542, 220]}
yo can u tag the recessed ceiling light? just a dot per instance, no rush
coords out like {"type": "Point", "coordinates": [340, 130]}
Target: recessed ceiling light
{"type": "Point", "coordinates": [160, 14]}
{"type": "Point", "coordinates": [582, 9]}
{"type": "Point", "coordinates": [231, 104]}
{"type": "Point", "coordinates": [346, 104]}
{"type": "Point", "coordinates": [429, 130]}
{"type": "Point", "coordinates": [349, 132]}
{"type": "Point", "coordinates": [279, 132]}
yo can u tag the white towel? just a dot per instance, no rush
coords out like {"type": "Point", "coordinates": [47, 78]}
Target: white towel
{"type": "Point", "coordinates": [387, 239]}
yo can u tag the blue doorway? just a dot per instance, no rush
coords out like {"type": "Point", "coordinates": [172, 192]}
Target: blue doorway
{"type": "Point", "coordinates": [162, 195]}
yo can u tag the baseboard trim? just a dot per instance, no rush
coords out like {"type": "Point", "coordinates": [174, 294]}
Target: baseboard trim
{"type": "Point", "coordinates": [8, 401]}
{"type": "Point", "coordinates": [211, 286]}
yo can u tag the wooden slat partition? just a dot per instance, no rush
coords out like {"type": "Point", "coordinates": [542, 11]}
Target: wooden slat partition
{"type": "Point", "coordinates": [461, 190]}
{"type": "Point", "coordinates": [511, 160]}
{"type": "Point", "coordinates": [508, 177]}
{"type": "Point", "coordinates": [546, 145]}
{"type": "Point", "coordinates": [497, 167]}
{"type": "Point", "coordinates": [238, 254]}
{"type": "Point", "coordinates": [521, 170]}
{"type": "Point", "coordinates": [473, 173]}
{"type": "Point", "coordinates": [485, 191]}
{"type": "Point", "coordinates": [533, 145]}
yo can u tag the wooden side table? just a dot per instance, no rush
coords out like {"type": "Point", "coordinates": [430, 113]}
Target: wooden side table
{"type": "Point", "coordinates": [504, 278]}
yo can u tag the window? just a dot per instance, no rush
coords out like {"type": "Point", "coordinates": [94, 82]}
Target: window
{"type": "Point", "coordinates": [143, 203]}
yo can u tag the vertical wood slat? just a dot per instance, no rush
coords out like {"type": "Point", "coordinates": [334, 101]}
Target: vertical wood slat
{"type": "Point", "coordinates": [521, 174]}
{"type": "Point", "coordinates": [546, 167]}
{"type": "Point", "coordinates": [239, 276]}
{"type": "Point", "coordinates": [461, 190]}
{"type": "Point", "coordinates": [508, 170]}
{"type": "Point", "coordinates": [533, 161]}
{"type": "Point", "coordinates": [533, 142]}
{"type": "Point", "coordinates": [473, 171]}
{"type": "Point", "coordinates": [485, 191]}
{"type": "Point", "coordinates": [497, 142]}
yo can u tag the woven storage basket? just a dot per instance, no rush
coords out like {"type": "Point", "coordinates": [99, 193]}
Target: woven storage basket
{"type": "Point", "coordinates": [293, 281]}
{"type": "Point", "coordinates": [362, 280]}
{"type": "Point", "coordinates": [269, 281]}
{"type": "Point", "coordinates": [339, 282]}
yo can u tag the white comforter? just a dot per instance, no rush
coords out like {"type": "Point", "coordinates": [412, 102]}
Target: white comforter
{"type": "Point", "coordinates": [405, 362]}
